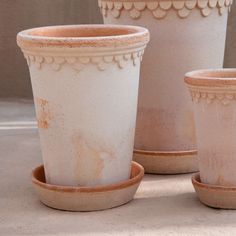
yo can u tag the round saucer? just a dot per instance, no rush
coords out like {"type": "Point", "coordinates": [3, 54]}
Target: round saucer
{"type": "Point", "coordinates": [155, 162]}
{"type": "Point", "coordinates": [213, 195]}
{"type": "Point", "coordinates": [87, 198]}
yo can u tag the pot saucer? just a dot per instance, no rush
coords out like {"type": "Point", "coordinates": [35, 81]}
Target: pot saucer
{"type": "Point", "coordinates": [87, 198]}
{"type": "Point", "coordinates": [155, 162]}
{"type": "Point", "coordinates": [213, 195]}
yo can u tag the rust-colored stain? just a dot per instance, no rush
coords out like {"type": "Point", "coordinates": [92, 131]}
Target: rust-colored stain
{"type": "Point", "coordinates": [159, 129]}
{"type": "Point", "coordinates": [222, 182]}
{"type": "Point", "coordinates": [44, 113]}
{"type": "Point", "coordinates": [154, 129]}
{"type": "Point", "coordinates": [90, 159]}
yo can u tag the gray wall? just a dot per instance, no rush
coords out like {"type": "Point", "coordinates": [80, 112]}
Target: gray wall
{"type": "Point", "coordinates": [230, 52]}
{"type": "Point", "coordinates": [16, 15]}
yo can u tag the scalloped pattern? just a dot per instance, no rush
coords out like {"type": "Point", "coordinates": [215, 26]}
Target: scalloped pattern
{"type": "Point", "coordinates": [209, 96]}
{"type": "Point", "coordinates": [78, 63]}
{"type": "Point", "coordinates": [160, 8]}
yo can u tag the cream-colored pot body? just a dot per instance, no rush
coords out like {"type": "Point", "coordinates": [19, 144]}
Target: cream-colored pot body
{"type": "Point", "coordinates": [214, 98]}
{"type": "Point", "coordinates": [183, 37]}
{"type": "Point", "coordinates": [86, 100]}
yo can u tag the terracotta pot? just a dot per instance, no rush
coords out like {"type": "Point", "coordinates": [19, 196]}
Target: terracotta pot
{"type": "Point", "coordinates": [214, 97]}
{"type": "Point", "coordinates": [85, 85]}
{"type": "Point", "coordinates": [185, 35]}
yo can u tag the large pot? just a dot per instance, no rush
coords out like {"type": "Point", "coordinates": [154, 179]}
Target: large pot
{"type": "Point", "coordinates": [85, 84]}
{"type": "Point", "coordinates": [185, 35]}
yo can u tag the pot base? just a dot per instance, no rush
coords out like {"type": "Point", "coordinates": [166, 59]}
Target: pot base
{"type": "Point", "coordinates": [213, 195]}
{"type": "Point", "coordinates": [87, 198]}
{"type": "Point", "coordinates": [167, 162]}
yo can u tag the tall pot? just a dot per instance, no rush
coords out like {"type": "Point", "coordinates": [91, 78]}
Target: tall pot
{"type": "Point", "coordinates": [214, 99]}
{"type": "Point", "coordinates": [85, 85]}
{"type": "Point", "coordinates": [185, 35]}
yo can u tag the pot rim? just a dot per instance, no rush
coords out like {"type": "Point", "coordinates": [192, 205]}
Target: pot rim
{"type": "Point", "coordinates": [211, 77]}
{"type": "Point", "coordinates": [77, 36]}
{"type": "Point", "coordinates": [196, 180]}
{"type": "Point", "coordinates": [137, 173]}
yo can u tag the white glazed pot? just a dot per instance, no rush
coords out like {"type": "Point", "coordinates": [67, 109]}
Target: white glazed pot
{"type": "Point", "coordinates": [85, 84]}
{"type": "Point", "coordinates": [185, 35]}
{"type": "Point", "coordinates": [214, 96]}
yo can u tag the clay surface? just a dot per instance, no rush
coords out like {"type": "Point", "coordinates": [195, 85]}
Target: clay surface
{"type": "Point", "coordinates": [214, 195]}
{"type": "Point", "coordinates": [167, 162]}
{"type": "Point", "coordinates": [165, 121]}
{"type": "Point", "coordinates": [87, 198]}
{"type": "Point", "coordinates": [163, 205]}
{"type": "Point", "coordinates": [214, 99]}
{"type": "Point", "coordinates": [85, 82]}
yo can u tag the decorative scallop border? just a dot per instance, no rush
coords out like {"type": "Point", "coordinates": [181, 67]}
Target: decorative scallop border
{"type": "Point", "coordinates": [225, 98]}
{"type": "Point", "coordinates": [160, 8]}
{"type": "Point", "coordinates": [78, 63]}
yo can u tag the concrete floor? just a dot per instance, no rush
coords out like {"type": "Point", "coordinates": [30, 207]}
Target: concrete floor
{"type": "Point", "coordinates": [163, 205]}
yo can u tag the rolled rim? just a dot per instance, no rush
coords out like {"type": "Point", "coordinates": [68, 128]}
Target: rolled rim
{"type": "Point", "coordinates": [83, 36]}
{"type": "Point", "coordinates": [196, 181]}
{"type": "Point", "coordinates": [211, 77]}
{"type": "Point", "coordinates": [165, 153]}
{"type": "Point", "coordinates": [137, 173]}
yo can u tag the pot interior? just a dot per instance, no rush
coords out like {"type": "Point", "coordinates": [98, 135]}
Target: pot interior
{"type": "Point", "coordinates": [216, 74]}
{"type": "Point", "coordinates": [81, 32]}
{"type": "Point", "coordinates": [97, 36]}
{"type": "Point", "coordinates": [220, 77]}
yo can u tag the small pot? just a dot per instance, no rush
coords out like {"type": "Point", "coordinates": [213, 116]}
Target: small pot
{"type": "Point", "coordinates": [214, 97]}
{"type": "Point", "coordinates": [179, 30]}
{"type": "Point", "coordinates": [85, 82]}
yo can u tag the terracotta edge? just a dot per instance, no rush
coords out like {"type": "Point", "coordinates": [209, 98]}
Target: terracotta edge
{"type": "Point", "coordinates": [159, 153]}
{"type": "Point", "coordinates": [135, 180]}
{"type": "Point", "coordinates": [196, 78]}
{"type": "Point", "coordinates": [136, 35]}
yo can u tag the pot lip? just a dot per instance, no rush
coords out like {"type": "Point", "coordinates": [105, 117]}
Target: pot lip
{"type": "Point", "coordinates": [165, 153]}
{"type": "Point", "coordinates": [132, 0]}
{"type": "Point", "coordinates": [137, 173]}
{"type": "Point", "coordinates": [211, 77]}
{"type": "Point", "coordinates": [98, 35]}
{"type": "Point", "coordinates": [196, 180]}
